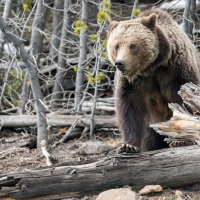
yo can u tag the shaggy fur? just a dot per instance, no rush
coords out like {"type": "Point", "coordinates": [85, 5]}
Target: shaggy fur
{"type": "Point", "coordinates": [161, 60]}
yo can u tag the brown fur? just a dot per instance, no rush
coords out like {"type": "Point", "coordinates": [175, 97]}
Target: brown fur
{"type": "Point", "coordinates": [163, 59]}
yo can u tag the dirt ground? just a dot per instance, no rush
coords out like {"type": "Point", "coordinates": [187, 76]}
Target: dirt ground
{"type": "Point", "coordinates": [18, 152]}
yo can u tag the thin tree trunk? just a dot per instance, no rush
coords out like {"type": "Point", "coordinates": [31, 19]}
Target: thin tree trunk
{"type": "Point", "coordinates": [38, 24]}
{"type": "Point", "coordinates": [57, 26]}
{"type": "Point", "coordinates": [35, 85]}
{"type": "Point", "coordinates": [82, 57]}
{"type": "Point", "coordinates": [6, 14]}
{"type": "Point", "coordinates": [36, 47]}
{"type": "Point", "coordinates": [186, 15]}
{"type": "Point", "coordinates": [134, 7]}
{"type": "Point", "coordinates": [24, 95]}
{"type": "Point", "coordinates": [192, 16]}
{"type": "Point", "coordinates": [61, 70]}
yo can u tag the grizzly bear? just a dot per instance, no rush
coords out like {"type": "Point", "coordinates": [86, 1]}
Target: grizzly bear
{"type": "Point", "coordinates": [154, 57]}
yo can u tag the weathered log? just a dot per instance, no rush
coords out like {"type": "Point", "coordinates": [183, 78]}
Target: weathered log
{"type": "Point", "coordinates": [176, 167]}
{"type": "Point", "coordinates": [181, 126]}
{"type": "Point", "coordinates": [57, 120]}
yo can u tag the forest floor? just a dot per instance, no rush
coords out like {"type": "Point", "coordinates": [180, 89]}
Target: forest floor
{"type": "Point", "coordinates": [14, 157]}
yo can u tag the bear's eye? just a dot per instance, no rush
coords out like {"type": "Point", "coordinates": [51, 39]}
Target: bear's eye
{"type": "Point", "coordinates": [116, 47]}
{"type": "Point", "coordinates": [132, 46]}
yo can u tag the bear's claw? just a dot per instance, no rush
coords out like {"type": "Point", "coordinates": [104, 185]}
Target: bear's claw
{"type": "Point", "coordinates": [128, 148]}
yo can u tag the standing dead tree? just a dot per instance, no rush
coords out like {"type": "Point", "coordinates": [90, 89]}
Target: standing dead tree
{"type": "Point", "coordinates": [6, 14]}
{"type": "Point", "coordinates": [30, 64]}
{"type": "Point", "coordinates": [82, 56]}
{"type": "Point", "coordinates": [188, 16]}
{"type": "Point", "coordinates": [36, 47]}
{"type": "Point", "coordinates": [57, 26]}
{"type": "Point", "coordinates": [61, 69]}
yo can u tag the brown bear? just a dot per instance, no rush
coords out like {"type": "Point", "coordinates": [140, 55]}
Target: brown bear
{"type": "Point", "coordinates": [154, 57]}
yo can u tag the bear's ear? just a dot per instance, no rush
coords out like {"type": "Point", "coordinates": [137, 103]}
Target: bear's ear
{"type": "Point", "coordinates": [113, 25]}
{"type": "Point", "coordinates": [150, 21]}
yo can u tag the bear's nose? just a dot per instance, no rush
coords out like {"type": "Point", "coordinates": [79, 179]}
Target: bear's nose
{"type": "Point", "coordinates": [120, 64]}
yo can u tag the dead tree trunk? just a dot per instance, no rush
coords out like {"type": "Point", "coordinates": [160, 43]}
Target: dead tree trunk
{"type": "Point", "coordinates": [61, 70]}
{"type": "Point", "coordinates": [183, 125]}
{"type": "Point", "coordinates": [175, 167]}
{"type": "Point", "coordinates": [6, 14]}
{"type": "Point", "coordinates": [30, 64]}
{"type": "Point", "coordinates": [82, 57]}
{"type": "Point", "coordinates": [57, 25]}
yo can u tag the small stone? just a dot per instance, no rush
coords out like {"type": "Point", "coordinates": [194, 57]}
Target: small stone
{"type": "Point", "coordinates": [178, 193]}
{"type": "Point", "coordinates": [94, 148]}
{"type": "Point", "coordinates": [150, 189]}
{"type": "Point", "coordinates": [179, 198]}
{"type": "Point", "coordinates": [118, 194]}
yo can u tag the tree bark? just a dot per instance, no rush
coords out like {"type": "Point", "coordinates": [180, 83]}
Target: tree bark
{"type": "Point", "coordinates": [186, 16]}
{"type": "Point", "coordinates": [176, 167]}
{"type": "Point", "coordinates": [36, 45]}
{"type": "Point", "coordinates": [57, 25]}
{"type": "Point", "coordinates": [82, 57]}
{"type": "Point", "coordinates": [38, 24]}
{"type": "Point", "coordinates": [61, 70]}
{"type": "Point", "coordinates": [6, 14]}
{"type": "Point", "coordinates": [192, 16]}
{"type": "Point", "coordinates": [26, 88]}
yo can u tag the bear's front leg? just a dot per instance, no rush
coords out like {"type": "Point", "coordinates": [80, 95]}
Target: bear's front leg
{"type": "Point", "coordinates": [130, 124]}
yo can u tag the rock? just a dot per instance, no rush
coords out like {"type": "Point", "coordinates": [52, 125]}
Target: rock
{"type": "Point", "coordinates": [118, 194]}
{"type": "Point", "coordinates": [178, 193]}
{"type": "Point", "coordinates": [179, 198]}
{"type": "Point", "coordinates": [94, 148]}
{"type": "Point", "coordinates": [150, 188]}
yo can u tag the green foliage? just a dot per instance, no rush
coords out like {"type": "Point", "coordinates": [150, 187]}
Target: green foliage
{"type": "Point", "coordinates": [26, 5]}
{"type": "Point", "coordinates": [94, 37]}
{"type": "Point", "coordinates": [87, 67]}
{"type": "Point", "coordinates": [104, 11]}
{"type": "Point", "coordinates": [79, 24]}
{"type": "Point", "coordinates": [104, 43]}
{"type": "Point", "coordinates": [77, 30]}
{"type": "Point", "coordinates": [100, 76]}
{"type": "Point", "coordinates": [105, 55]}
{"type": "Point", "coordinates": [102, 16]}
{"type": "Point", "coordinates": [106, 4]}
{"type": "Point", "coordinates": [75, 68]}
{"type": "Point", "coordinates": [92, 80]}
{"type": "Point", "coordinates": [136, 12]}
{"type": "Point", "coordinates": [94, 101]}
{"type": "Point", "coordinates": [107, 11]}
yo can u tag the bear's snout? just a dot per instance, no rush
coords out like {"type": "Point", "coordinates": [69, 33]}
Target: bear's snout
{"type": "Point", "coordinates": [120, 64]}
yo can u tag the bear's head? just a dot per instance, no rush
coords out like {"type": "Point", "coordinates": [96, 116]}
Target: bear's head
{"type": "Point", "coordinates": [134, 45]}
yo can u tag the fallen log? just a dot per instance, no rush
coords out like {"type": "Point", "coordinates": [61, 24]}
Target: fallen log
{"type": "Point", "coordinates": [57, 120]}
{"type": "Point", "coordinates": [176, 167]}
